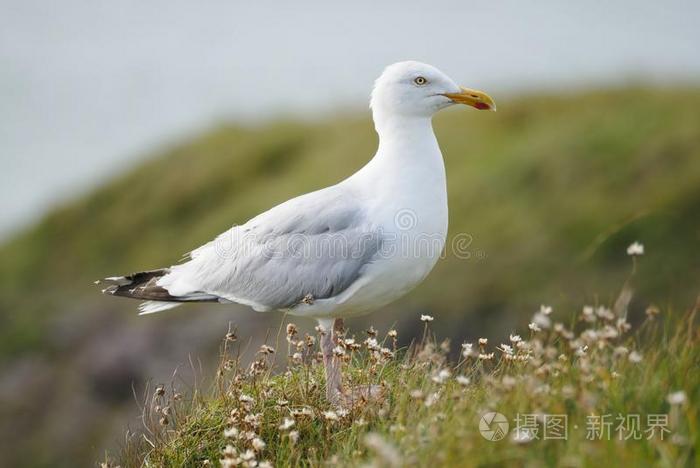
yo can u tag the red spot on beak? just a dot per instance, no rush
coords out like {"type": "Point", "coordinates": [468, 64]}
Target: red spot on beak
{"type": "Point", "coordinates": [481, 106]}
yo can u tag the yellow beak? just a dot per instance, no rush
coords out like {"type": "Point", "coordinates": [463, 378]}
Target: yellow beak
{"type": "Point", "coordinates": [474, 98]}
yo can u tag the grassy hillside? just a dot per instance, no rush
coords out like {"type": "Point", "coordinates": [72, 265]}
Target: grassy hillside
{"type": "Point", "coordinates": [550, 190]}
{"type": "Point", "coordinates": [591, 394]}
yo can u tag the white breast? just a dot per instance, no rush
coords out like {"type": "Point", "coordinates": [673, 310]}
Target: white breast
{"type": "Point", "coordinates": [404, 189]}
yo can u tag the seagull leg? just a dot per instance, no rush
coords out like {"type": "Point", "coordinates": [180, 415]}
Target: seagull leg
{"type": "Point", "coordinates": [333, 330]}
{"type": "Point", "coordinates": [329, 339]}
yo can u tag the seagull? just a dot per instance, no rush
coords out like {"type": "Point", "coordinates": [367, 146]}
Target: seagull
{"type": "Point", "coordinates": [341, 251]}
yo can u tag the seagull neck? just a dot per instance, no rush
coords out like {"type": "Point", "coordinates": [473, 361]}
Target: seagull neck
{"type": "Point", "coordinates": [408, 156]}
{"type": "Point", "coordinates": [402, 136]}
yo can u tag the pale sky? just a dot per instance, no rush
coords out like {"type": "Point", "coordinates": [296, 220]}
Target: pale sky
{"type": "Point", "coordinates": [89, 88]}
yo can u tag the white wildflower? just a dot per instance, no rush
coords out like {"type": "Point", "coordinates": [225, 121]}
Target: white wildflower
{"type": "Point", "coordinates": [231, 433]}
{"type": "Point", "coordinates": [677, 398]}
{"type": "Point", "coordinates": [305, 411]}
{"type": "Point", "coordinates": [442, 376]}
{"type": "Point", "coordinates": [623, 325]}
{"type": "Point", "coordinates": [635, 248]}
{"type": "Point", "coordinates": [426, 318]}
{"type": "Point", "coordinates": [534, 327]}
{"type": "Point", "coordinates": [609, 332]}
{"type": "Point", "coordinates": [293, 436]}
{"type": "Point", "coordinates": [287, 424]}
{"type": "Point", "coordinates": [330, 415]}
{"type": "Point", "coordinates": [246, 399]}
{"type": "Point", "coordinates": [542, 320]}
{"type": "Point", "coordinates": [253, 419]}
{"type": "Point", "coordinates": [372, 344]}
{"type": "Point", "coordinates": [506, 349]}
{"type": "Point", "coordinates": [515, 339]}
{"type": "Point", "coordinates": [589, 314]}
{"type": "Point", "coordinates": [431, 399]}
{"type": "Point", "coordinates": [635, 357]}
{"type": "Point", "coordinates": [247, 435]}
{"type": "Point", "coordinates": [545, 309]}
{"type": "Point", "coordinates": [605, 313]}
{"type": "Point", "coordinates": [467, 350]}
{"type": "Point", "coordinates": [462, 380]}
{"type": "Point", "coordinates": [258, 444]}
{"type": "Point", "coordinates": [483, 341]}
{"type": "Point", "coordinates": [230, 451]}
{"type": "Point", "coordinates": [248, 455]}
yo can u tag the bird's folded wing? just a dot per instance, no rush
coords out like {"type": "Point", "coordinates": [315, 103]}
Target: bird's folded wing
{"type": "Point", "coordinates": [308, 248]}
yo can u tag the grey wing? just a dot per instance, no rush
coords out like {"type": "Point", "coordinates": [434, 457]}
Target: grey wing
{"type": "Point", "coordinates": [315, 246]}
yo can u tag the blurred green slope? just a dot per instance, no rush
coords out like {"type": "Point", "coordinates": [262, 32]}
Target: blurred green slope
{"type": "Point", "coordinates": [550, 189]}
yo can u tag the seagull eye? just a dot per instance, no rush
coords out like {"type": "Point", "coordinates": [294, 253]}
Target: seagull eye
{"type": "Point", "coordinates": [420, 81]}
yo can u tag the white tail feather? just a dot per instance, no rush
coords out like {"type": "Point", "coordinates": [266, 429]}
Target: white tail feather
{"type": "Point", "coordinates": [151, 307]}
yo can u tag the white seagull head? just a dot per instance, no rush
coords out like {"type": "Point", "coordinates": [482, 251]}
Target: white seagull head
{"type": "Point", "coordinates": [415, 89]}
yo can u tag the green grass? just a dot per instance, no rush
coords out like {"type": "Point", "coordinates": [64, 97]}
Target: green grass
{"type": "Point", "coordinates": [430, 412]}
